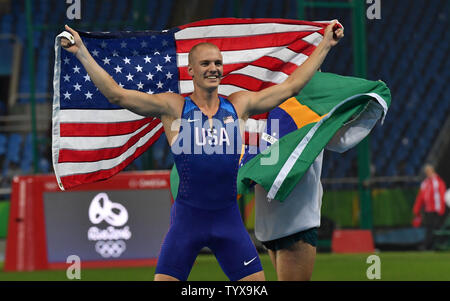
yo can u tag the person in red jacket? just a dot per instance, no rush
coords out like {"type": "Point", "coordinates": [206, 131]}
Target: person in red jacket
{"type": "Point", "coordinates": [430, 196]}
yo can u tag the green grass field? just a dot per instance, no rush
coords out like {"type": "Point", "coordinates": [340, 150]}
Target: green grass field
{"type": "Point", "coordinates": [403, 266]}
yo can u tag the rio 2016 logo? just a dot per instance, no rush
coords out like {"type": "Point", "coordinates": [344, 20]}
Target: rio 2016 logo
{"type": "Point", "coordinates": [110, 242]}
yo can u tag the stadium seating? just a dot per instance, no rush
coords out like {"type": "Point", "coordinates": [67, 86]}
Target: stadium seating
{"type": "Point", "coordinates": [27, 158]}
{"type": "Point", "coordinates": [13, 151]}
{"type": "Point", "coordinates": [396, 53]}
{"type": "Point", "coordinates": [417, 108]}
{"type": "Point", "coordinates": [3, 144]}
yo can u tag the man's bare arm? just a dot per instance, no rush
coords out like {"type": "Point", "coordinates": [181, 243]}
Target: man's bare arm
{"type": "Point", "coordinates": [250, 103]}
{"type": "Point", "coordinates": [135, 101]}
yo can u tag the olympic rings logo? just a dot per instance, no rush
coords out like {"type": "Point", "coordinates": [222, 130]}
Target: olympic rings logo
{"type": "Point", "coordinates": [110, 248]}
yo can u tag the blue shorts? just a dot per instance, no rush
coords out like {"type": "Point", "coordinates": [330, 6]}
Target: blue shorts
{"type": "Point", "coordinates": [222, 231]}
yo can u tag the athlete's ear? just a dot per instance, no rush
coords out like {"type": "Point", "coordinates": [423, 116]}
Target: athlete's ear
{"type": "Point", "coordinates": [190, 71]}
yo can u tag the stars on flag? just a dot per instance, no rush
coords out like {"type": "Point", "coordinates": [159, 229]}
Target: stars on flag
{"type": "Point", "coordinates": [129, 77]}
{"type": "Point", "coordinates": [118, 69]}
{"type": "Point", "coordinates": [138, 68]}
{"type": "Point", "coordinates": [77, 87]}
{"type": "Point", "coordinates": [142, 64]}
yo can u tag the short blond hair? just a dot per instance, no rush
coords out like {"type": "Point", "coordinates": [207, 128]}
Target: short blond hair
{"type": "Point", "coordinates": [194, 48]}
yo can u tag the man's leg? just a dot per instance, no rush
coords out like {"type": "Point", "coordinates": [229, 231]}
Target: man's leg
{"type": "Point", "coordinates": [428, 224]}
{"type": "Point", "coordinates": [179, 248]}
{"type": "Point", "coordinates": [273, 258]}
{"type": "Point", "coordinates": [233, 247]}
{"type": "Point", "coordinates": [295, 263]}
{"type": "Point", "coordinates": [258, 276]}
{"type": "Point", "coordinates": [435, 225]}
{"type": "Point", "coordinates": [163, 277]}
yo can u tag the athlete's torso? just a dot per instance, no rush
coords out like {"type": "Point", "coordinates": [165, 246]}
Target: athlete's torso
{"type": "Point", "coordinates": [206, 154]}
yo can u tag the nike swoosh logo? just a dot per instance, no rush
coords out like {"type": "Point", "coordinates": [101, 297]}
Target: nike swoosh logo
{"type": "Point", "coordinates": [192, 120]}
{"type": "Point", "coordinates": [248, 262]}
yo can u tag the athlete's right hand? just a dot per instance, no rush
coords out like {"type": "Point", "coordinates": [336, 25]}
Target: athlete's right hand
{"type": "Point", "coordinates": [73, 48]}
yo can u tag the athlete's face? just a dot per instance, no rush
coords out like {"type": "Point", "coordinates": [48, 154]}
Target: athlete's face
{"type": "Point", "coordinates": [206, 67]}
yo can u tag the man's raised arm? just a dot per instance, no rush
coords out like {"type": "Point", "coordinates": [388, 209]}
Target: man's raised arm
{"type": "Point", "coordinates": [251, 103]}
{"type": "Point", "coordinates": [135, 101]}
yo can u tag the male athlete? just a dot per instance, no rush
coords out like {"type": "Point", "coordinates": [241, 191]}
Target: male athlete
{"type": "Point", "coordinates": [205, 213]}
{"type": "Point", "coordinates": [288, 229]}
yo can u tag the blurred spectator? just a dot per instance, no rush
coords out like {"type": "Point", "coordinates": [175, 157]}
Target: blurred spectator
{"type": "Point", "coordinates": [431, 197]}
{"type": "Point", "coordinates": [5, 7]}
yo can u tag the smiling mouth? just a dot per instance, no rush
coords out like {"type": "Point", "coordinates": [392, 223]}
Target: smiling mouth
{"type": "Point", "coordinates": [216, 76]}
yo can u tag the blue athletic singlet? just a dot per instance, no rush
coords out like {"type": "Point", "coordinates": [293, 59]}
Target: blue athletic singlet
{"type": "Point", "coordinates": [206, 154]}
{"type": "Point", "coordinates": [205, 213]}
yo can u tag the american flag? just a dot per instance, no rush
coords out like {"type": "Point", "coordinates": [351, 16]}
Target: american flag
{"type": "Point", "coordinates": [94, 140]}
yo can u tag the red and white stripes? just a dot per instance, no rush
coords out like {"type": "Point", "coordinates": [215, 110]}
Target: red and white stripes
{"type": "Point", "coordinates": [257, 53]}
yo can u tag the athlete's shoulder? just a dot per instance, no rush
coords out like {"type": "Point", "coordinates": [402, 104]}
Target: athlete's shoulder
{"type": "Point", "coordinates": [240, 101]}
{"type": "Point", "coordinates": [228, 106]}
{"type": "Point", "coordinates": [172, 102]}
{"type": "Point", "coordinates": [238, 96]}
{"type": "Point", "coordinates": [188, 105]}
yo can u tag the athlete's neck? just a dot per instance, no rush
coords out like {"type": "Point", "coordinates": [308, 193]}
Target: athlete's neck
{"type": "Point", "coordinates": [207, 101]}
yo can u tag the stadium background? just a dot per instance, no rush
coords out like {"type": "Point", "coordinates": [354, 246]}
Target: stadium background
{"type": "Point", "coordinates": [407, 48]}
